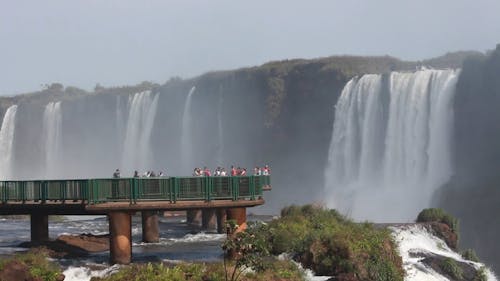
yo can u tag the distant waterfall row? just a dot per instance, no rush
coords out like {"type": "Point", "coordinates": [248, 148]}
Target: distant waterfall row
{"type": "Point", "coordinates": [390, 146]}
{"type": "Point", "coordinates": [94, 135]}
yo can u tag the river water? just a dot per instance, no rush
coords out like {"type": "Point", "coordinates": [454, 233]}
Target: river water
{"type": "Point", "coordinates": [178, 242]}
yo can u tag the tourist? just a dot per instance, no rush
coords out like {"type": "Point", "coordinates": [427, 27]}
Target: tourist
{"type": "Point", "coordinates": [266, 171]}
{"type": "Point", "coordinates": [223, 173]}
{"type": "Point", "coordinates": [243, 172]}
{"type": "Point", "coordinates": [116, 174]}
{"type": "Point", "coordinates": [206, 172]}
{"type": "Point", "coordinates": [136, 174]}
{"type": "Point", "coordinates": [233, 171]}
{"type": "Point", "coordinates": [160, 174]}
{"type": "Point", "coordinates": [257, 171]}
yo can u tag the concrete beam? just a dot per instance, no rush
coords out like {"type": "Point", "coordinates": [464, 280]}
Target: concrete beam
{"type": "Point", "coordinates": [150, 228]}
{"type": "Point", "coordinates": [39, 227]}
{"type": "Point", "coordinates": [208, 219]}
{"type": "Point", "coordinates": [193, 216]}
{"type": "Point", "coordinates": [120, 237]}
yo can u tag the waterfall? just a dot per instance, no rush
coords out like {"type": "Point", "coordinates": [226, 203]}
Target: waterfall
{"type": "Point", "coordinates": [186, 137]}
{"type": "Point", "coordinates": [390, 146]}
{"type": "Point", "coordinates": [7, 142]}
{"type": "Point", "coordinates": [52, 134]}
{"type": "Point", "coordinates": [137, 153]}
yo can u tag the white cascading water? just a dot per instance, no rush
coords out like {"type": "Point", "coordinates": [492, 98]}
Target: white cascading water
{"type": "Point", "coordinates": [137, 153]}
{"type": "Point", "coordinates": [391, 142]}
{"type": "Point", "coordinates": [52, 135]}
{"type": "Point", "coordinates": [415, 242]}
{"type": "Point", "coordinates": [186, 138]}
{"type": "Point", "coordinates": [6, 142]}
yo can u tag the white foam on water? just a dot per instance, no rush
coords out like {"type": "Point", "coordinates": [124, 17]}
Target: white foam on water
{"type": "Point", "coordinates": [414, 239]}
{"type": "Point", "coordinates": [188, 238]}
{"type": "Point", "coordinates": [81, 273]}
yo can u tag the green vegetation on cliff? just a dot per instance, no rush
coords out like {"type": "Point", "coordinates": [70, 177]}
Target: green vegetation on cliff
{"type": "Point", "coordinates": [326, 242]}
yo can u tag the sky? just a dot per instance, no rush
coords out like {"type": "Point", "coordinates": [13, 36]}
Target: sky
{"type": "Point", "coordinates": [123, 42]}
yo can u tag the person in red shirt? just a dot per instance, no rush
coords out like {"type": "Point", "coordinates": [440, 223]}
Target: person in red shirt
{"type": "Point", "coordinates": [206, 172]}
{"type": "Point", "coordinates": [233, 171]}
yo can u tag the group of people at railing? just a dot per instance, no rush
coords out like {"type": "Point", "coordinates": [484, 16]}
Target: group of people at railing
{"type": "Point", "coordinates": [205, 172]}
{"type": "Point", "coordinates": [221, 172]}
{"type": "Point", "coordinates": [147, 174]}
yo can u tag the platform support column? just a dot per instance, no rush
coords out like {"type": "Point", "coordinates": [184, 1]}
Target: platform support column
{"type": "Point", "coordinates": [39, 227]}
{"type": "Point", "coordinates": [221, 220]}
{"type": "Point", "coordinates": [120, 237]}
{"type": "Point", "coordinates": [193, 216]}
{"type": "Point", "coordinates": [150, 229]}
{"type": "Point", "coordinates": [208, 219]}
{"type": "Point", "coordinates": [239, 215]}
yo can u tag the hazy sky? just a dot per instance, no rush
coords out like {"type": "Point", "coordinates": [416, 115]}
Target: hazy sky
{"type": "Point", "coordinates": [84, 42]}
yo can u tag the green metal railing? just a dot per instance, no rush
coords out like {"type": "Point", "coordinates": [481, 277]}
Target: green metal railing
{"type": "Point", "coordinates": [133, 190]}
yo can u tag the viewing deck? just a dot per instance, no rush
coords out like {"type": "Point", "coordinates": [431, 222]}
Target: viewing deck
{"type": "Point", "coordinates": [207, 200]}
{"type": "Point", "coordinates": [97, 196]}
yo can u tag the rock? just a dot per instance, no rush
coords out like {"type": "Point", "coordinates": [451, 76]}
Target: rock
{"type": "Point", "coordinates": [67, 246]}
{"type": "Point", "coordinates": [14, 271]}
{"type": "Point", "coordinates": [444, 232]}
{"type": "Point", "coordinates": [435, 261]}
{"type": "Point", "coordinates": [87, 242]}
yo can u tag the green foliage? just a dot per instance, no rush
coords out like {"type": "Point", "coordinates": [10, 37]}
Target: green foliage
{"type": "Point", "coordinates": [277, 270]}
{"type": "Point", "coordinates": [470, 255]}
{"type": "Point", "coordinates": [245, 249]}
{"type": "Point", "coordinates": [328, 243]}
{"type": "Point", "coordinates": [38, 264]}
{"type": "Point", "coordinates": [158, 272]}
{"type": "Point", "coordinates": [450, 267]}
{"type": "Point", "coordinates": [438, 215]}
{"type": "Point", "coordinates": [481, 275]}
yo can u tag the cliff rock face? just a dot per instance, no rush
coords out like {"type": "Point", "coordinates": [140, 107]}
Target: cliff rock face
{"type": "Point", "coordinates": [474, 192]}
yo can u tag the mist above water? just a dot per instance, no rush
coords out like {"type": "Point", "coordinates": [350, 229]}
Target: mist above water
{"type": "Point", "coordinates": [391, 142]}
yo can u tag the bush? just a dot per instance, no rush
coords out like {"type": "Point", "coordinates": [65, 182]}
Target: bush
{"type": "Point", "coordinates": [480, 275]}
{"type": "Point", "coordinates": [438, 215]}
{"type": "Point", "coordinates": [450, 267]}
{"type": "Point", "coordinates": [328, 243]}
{"type": "Point", "coordinates": [278, 270]}
{"type": "Point", "coordinates": [470, 255]}
{"type": "Point", "coordinates": [37, 264]}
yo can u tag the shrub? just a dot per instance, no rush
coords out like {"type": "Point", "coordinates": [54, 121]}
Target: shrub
{"type": "Point", "coordinates": [470, 255]}
{"type": "Point", "coordinates": [328, 243]}
{"type": "Point", "coordinates": [450, 267]}
{"type": "Point", "coordinates": [39, 267]}
{"type": "Point", "coordinates": [480, 275]}
{"type": "Point", "coordinates": [438, 215]}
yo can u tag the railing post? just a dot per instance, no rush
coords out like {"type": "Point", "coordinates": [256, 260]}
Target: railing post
{"type": "Point", "coordinates": [44, 191]}
{"type": "Point", "coordinates": [251, 183]}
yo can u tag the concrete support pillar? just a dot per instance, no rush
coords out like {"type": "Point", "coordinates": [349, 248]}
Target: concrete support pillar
{"type": "Point", "coordinates": [221, 220]}
{"type": "Point", "coordinates": [208, 219]}
{"type": "Point", "coordinates": [240, 216]}
{"type": "Point", "coordinates": [150, 229]}
{"type": "Point", "coordinates": [39, 227]}
{"type": "Point", "coordinates": [193, 216]}
{"type": "Point", "coordinates": [120, 237]}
